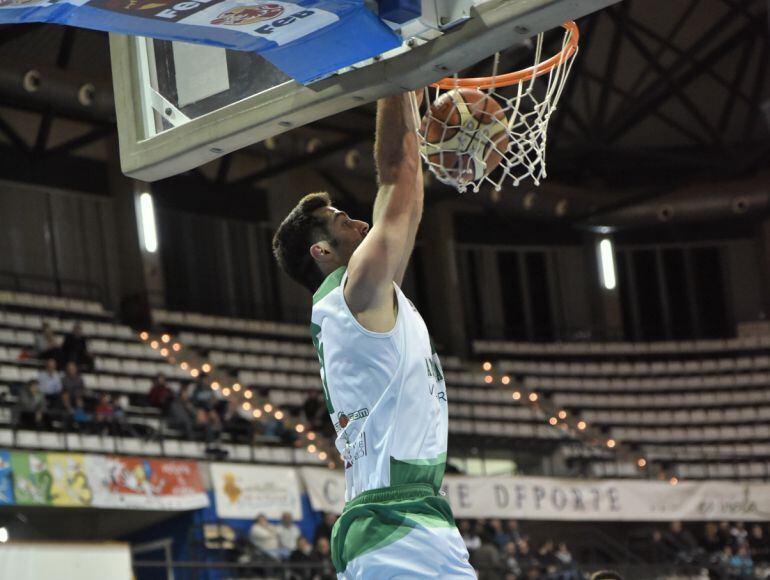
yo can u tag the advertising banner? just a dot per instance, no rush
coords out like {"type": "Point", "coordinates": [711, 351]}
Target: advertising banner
{"type": "Point", "coordinates": [544, 498]}
{"type": "Point", "coordinates": [325, 488]}
{"type": "Point", "coordinates": [32, 481]}
{"type": "Point", "coordinates": [141, 483]}
{"type": "Point", "coordinates": [6, 480]}
{"type": "Point", "coordinates": [83, 480]}
{"type": "Point", "coordinates": [244, 491]}
{"type": "Point", "coordinates": [306, 39]}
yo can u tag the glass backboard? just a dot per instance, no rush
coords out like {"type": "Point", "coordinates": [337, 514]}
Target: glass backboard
{"type": "Point", "coordinates": [182, 105]}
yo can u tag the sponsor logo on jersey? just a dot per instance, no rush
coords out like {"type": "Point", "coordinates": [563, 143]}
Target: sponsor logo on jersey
{"type": "Point", "coordinates": [355, 451]}
{"type": "Point", "coordinates": [243, 15]}
{"type": "Point", "coordinates": [343, 419]}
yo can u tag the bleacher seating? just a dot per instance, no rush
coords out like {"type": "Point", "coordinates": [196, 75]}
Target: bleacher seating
{"type": "Point", "coordinates": [123, 366]}
{"type": "Point", "coordinates": [702, 406]}
{"type": "Point", "coordinates": [281, 357]}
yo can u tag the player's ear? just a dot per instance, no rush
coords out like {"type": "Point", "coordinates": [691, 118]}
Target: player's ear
{"type": "Point", "coordinates": [321, 252]}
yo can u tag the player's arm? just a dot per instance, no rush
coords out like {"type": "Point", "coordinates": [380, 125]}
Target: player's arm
{"type": "Point", "coordinates": [382, 257]}
{"type": "Point", "coordinates": [381, 202]}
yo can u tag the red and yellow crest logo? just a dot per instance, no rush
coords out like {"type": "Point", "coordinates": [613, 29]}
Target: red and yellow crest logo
{"type": "Point", "coordinates": [242, 15]}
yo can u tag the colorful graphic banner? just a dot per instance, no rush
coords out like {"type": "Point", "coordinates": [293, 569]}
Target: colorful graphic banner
{"type": "Point", "coordinates": [543, 498]}
{"type": "Point", "coordinates": [32, 480]}
{"type": "Point", "coordinates": [134, 482]}
{"type": "Point", "coordinates": [307, 39]}
{"type": "Point", "coordinates": [244, 491]}
{"type": "Point", "coordinates": [6, 480]}
{"type": "Point", "coordinates": [77, 480]}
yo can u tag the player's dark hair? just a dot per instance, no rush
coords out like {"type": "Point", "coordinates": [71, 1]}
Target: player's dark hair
{"type": "Point", "coordinates": [300, 230]}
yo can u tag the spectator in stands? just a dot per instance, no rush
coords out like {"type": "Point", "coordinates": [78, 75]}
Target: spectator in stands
{"type": "Point", "coordinates": [31, 407]}
{"type": "Point", "coordinates": [724, 533]}
{"type": "Point", "coordinates": [73, 383]}
{"type": "Point", "coordinates": [741, 564]}
{"type": "Point", "coordinates": [566, 562]}
{"type": "Point", "coordinates": [123, 426]}
{"type": "Point", "coordinates": [739, 534]}
{"type": "Point", "coordinates": [486, 560]}
{"type": "Point", "coordinates": [49, 380]}
{"type": "Point", "coordinates": [512, 526]}
{"type": "Point", "coordinates": [547, 557]}
{"type": "Point", "coordinates": [719, 563]}
{"type": "Point", "coordinates": [758, 544]}
{"type": "Point", "coordinates": [657, 550]}
{"type": "Point", "coordinates": [324, 527]}
{"type": "Point", "coordinates": [264, 536]}
{"type": "Point", "coordinates": [240, 428]}
{"type": "Point", "coordinates": [75, 349]}
{"type": "Point", "coordinates": [72, 413]}
{"type": "Point", "coordinates": [46, 344]}
{"type": "Point", "coordinates": [182, 413]}
{"type": "Point", "coordinates": [203, 395]}
{"type": "Point", "coordinates": [510, 561]}
{"type": "Point", "coordinates": [209, 424]}
{"type": "Point", "coordinates": [160, 395]}
{"type": "Point", "coordinates": [681, 543]}
{"type": "Point", "coordinates": [469, 536]}
{"type": "Point", "coordinates": [81, 419]}
{"type": "Point", "coordinates": [323, 558]}
{"type": "Point", "coordinates": [527, 560]}
{"type": "Point", "coordinates": [207, 418]}
{"type": "Point", "coordinates": [288, 534]}
{"type": "Point", "coordinates": [64, 410]}
{"type": "Point", "coordinates": [303, 556]}
{"type": "Point", "coordinates": [104, 415]}
{"type": "Point", "coordinates": [499, 536]}
{"type": "Point", "coordinates": [711, 541]}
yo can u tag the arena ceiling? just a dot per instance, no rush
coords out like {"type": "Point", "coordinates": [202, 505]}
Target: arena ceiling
{"type": "Point", "coordinates": [663, 94]}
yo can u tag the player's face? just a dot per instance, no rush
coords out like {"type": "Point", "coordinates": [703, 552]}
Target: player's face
{"type": "Point", "coordinates": [346, 232]}
{"type": "Point", "coordinates": [345, 229]}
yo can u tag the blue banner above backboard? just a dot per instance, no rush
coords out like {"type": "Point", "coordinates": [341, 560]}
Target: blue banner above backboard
{"type": "Point", "coordinates": [306, 39]}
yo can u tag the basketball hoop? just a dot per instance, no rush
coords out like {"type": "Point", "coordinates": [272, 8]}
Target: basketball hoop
{"type": "Point", "coordinates": [472, 147]}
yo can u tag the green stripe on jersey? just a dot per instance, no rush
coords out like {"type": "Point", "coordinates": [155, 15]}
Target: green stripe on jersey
{"type": "Point", "coordinates": [330, 283]}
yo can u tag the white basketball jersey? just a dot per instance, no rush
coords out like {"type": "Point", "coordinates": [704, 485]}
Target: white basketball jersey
{"type": "Point", "coordinates": [385, 393]}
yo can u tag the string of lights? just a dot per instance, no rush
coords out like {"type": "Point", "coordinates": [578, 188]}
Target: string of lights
{"type": "Point", "coordinates": [176, 354]}
{"type": "Point", "coordinates": [576, 427]}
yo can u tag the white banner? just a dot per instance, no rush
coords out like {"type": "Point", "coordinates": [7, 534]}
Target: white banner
{"type": "Point", "coordinates": [244, 491]}
{"type": "Point", "coordinates": [325, 488]}
{"type": "Point", "coordinates": [544, 498]}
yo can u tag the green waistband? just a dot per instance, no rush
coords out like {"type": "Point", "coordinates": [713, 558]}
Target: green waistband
{"type": "Point", "coordinates": [393, 493]}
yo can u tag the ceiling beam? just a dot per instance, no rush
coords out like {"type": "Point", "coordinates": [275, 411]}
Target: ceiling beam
{"type": "Point", "coordinates": [661, 92]}
{"type": "Point", "coordinates": [96, 134]}
{"type": "Point", "coordinates": [292, 164]}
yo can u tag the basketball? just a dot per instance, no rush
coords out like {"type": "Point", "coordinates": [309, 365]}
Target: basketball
{"type": "Point", "coordinates": [464, 134]}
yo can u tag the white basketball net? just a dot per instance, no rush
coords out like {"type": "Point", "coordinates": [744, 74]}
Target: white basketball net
{"type": "Point", "coordinates": [527, 107]}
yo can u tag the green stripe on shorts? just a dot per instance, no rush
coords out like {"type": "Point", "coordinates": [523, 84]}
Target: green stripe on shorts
{"type": "Point", "coordinates": [380, 517]}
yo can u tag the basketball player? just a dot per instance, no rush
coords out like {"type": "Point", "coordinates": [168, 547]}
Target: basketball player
{"type": "Point", "coordinates": [382, 381]}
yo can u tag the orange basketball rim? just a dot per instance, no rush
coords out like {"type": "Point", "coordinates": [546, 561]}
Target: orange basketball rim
{"type": "Point", "coordinates": [568, 51]}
